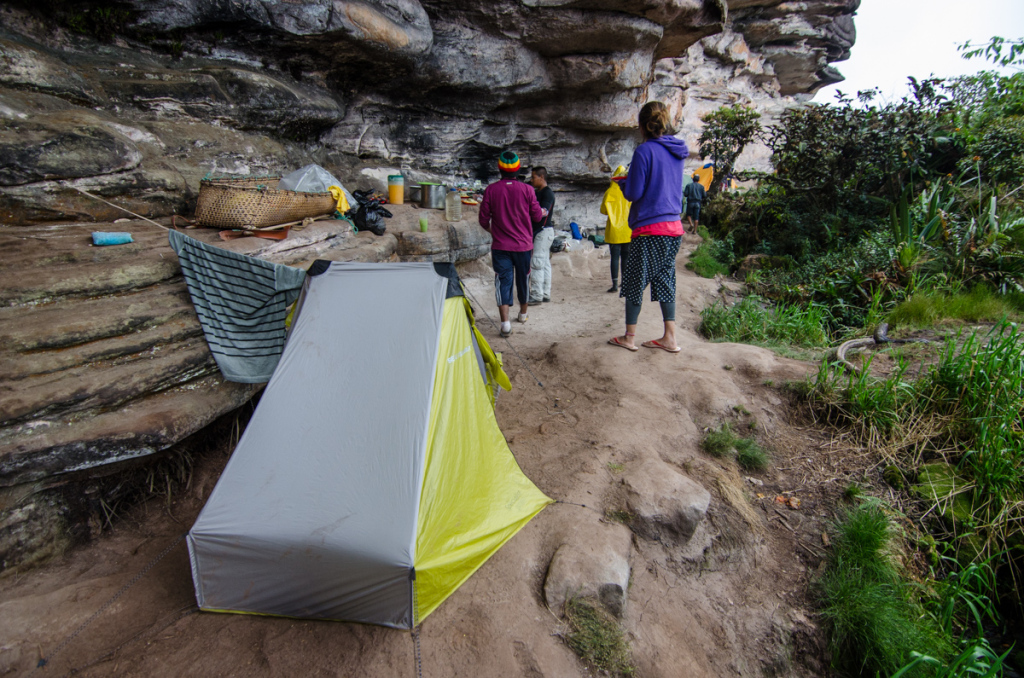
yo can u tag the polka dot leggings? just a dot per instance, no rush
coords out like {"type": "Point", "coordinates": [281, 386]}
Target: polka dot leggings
{"type": "Point", "coordinates": [652, 261]}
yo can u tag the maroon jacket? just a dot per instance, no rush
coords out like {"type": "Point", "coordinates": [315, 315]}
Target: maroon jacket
{"type": "Point", "coordinates": [507, 212]}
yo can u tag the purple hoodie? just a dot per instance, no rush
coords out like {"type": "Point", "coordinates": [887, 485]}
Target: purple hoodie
{"type": "Point", "coordinates": [655, 182]}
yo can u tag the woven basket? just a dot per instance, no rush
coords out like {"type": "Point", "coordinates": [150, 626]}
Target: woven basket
{"type": "Point", "coordinates": [256, 203]}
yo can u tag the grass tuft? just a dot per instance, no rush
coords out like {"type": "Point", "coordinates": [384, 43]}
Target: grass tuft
{"type": "Point", "coordinates": [750, 456]}
{"type": "Point", "coordinates": [720, 443]}
{"type": "Point", "coordinates": [753, 321]}
{"type": "Point", "coordinates": [597, 637]}
{"type": "Point", "coordinates": [723, 443]}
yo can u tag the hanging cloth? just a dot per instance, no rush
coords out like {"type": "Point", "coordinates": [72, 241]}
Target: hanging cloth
{"type": "Point", "coordinates": [241, 303]}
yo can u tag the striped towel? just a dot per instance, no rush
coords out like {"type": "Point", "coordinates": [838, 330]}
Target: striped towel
{"type": "Point", "coordinates": [241, 303]}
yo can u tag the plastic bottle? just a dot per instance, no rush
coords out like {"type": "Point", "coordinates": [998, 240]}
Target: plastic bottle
{"type": "Point", "coordinates": [396, 189]}
{"type": "Point", "coordinates": [453, 205]}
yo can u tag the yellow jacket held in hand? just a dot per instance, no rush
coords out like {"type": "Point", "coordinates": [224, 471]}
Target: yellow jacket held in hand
{"type": "Point", "coordinates": [615, 205]}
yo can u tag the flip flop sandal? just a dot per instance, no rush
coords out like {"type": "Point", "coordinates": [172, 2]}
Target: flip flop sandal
{"type": "Point", "coordinates": [614, 341]}
{"type": "Point", "coordinates": [653, 343]}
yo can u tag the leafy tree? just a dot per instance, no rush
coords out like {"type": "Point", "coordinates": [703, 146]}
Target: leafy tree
{"type": "Point", "coordinates": [727, 131]}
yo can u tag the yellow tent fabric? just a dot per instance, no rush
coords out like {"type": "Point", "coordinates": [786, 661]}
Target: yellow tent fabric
{"type": "Point", "coordinates": [705, 175]}
{"type": "Point", "coordinates": [616, 206]}
{"type": "Point", "coordinates": [474, 495]}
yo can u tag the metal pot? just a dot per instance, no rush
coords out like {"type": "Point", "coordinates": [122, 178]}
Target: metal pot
{"type": "Point", "coordinates": [432, 196]}
{"type": "Point", "coordinates": [414, 194]}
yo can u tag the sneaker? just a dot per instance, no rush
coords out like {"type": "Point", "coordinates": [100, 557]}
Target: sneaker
{"type": "Point", "coordinates": [613, 288]}
{"type": "Point", "coordinates": [506, 329]}
{"type": "Point", "coordinates": [534, 302]}
{"type": "Point", "coordinates": [523, 317]}
{"type": "Point", "coordinates": [547, 298]}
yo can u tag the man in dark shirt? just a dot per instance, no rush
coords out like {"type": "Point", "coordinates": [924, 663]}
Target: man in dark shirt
{"type": "Point", "coordinates": [543, 236]}
{"type": "Point", "coordinates": [695, 195]}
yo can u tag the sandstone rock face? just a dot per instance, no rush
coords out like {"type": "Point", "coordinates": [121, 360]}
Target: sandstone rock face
{"type": "Point", "coordinates": [438, 87]}
{"type": "Point", "coordinates": [594, 563]}
{"type": "Point", "coordinates": [665, 505]}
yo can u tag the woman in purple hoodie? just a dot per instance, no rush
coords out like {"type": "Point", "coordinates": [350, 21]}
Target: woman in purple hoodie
{"type": "Point", "coordinates": [654, 187]}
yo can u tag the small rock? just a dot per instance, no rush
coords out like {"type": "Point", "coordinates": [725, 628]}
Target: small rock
{"type": "Point", "coordinates": [665, 503]}
{"type": "Point", "coordinates": [594, 563]}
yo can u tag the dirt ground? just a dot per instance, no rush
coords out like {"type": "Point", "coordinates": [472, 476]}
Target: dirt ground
{"type": "Point", "coordinates": [734, 602]}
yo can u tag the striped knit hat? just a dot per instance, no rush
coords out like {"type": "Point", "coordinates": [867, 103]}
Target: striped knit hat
{"type": "Point", "coordinates": [508, 162]}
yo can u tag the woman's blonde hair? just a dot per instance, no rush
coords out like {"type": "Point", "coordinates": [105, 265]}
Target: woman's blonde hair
{"type": "Point", "coordinates": [654, 121]}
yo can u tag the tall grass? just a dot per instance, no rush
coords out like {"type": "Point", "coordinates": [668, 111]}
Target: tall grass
{"type": "Point", "coordinates": [924, 309]}
{"type": "Point", "coordinates": [753, 321]}
{"type": "Point", "coordinates": [874, 617]}
{"type": "Point", "coordinates": [966, 409]}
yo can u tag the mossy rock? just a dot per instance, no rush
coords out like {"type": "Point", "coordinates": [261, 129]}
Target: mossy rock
{"type": "Point", "coordinates": [939, 482]}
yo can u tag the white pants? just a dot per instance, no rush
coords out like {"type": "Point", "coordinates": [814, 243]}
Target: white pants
{"type": "Point", "coordinates": [540, 265]}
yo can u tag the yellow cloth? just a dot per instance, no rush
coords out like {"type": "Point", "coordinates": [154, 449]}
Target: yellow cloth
{"type": "Point", "coordinates": [704, 176]}
{"type": "Point", "coordinates": [615, 205]}
{"type": "Point", "coordinates": [339, 195]}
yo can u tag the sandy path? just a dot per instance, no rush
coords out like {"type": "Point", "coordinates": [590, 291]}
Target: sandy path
{"type": "Point", "coordinates": [731, 603]}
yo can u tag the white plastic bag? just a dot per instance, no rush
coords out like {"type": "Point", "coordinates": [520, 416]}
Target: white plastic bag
{"type": "Point", "coordinates": [313, 179]}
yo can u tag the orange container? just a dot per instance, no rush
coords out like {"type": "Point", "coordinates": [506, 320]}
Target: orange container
{"type": "Point", "coordinates": [396, 189]}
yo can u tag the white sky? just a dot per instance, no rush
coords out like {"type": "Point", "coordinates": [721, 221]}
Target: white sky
{"type": "Point", "coordinates": [897, 38]}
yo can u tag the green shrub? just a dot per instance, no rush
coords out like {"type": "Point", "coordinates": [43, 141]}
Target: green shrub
{"type": "Point", "coordinates": [703, 262]}
{"type": "Point", "coordinates": [712, 257]}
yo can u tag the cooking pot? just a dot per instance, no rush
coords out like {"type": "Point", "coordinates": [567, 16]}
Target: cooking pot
{"type": "Point", "coordinates": [432, 196]}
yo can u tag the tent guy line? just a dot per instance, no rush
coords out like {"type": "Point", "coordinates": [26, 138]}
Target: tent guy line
{"type": "Point", "coordinates": [495, 326]}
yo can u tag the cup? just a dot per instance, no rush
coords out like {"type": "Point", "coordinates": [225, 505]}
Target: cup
{"type": "Point", "coordinates": [423, 224]}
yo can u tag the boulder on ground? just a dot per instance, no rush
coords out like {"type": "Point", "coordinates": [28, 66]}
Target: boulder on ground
{"type": "Point", "coordinates": [594, 563]}
{"type": "Point", "coordinates": [664, 504]}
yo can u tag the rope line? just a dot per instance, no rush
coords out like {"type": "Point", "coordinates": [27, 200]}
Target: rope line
{"type": "Point", "coordinates": [495, 326]}
{"type": "Point", "coordinates": [67, 641]}
{"type": "Point", "coordinates": [572, 503]}
{"type": "Point", "coordinates": [96, 197]}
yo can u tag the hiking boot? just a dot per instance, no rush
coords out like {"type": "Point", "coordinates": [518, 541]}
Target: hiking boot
{"type": "Point", "coordinates": [522, 317]}
{"type": "Point", "coordinates": [534, 302]}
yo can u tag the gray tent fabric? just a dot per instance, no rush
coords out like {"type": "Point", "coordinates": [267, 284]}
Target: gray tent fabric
{"type": "Point", "coordinates": [241, 303]}
{"type": "Point", "coordinates": [315, 514]}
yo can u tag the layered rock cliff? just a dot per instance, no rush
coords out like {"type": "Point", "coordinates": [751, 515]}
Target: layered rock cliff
{"type": "Point", "coordinates": [136, 101]}
{"type": "Point", "coordinates": [140, 99]}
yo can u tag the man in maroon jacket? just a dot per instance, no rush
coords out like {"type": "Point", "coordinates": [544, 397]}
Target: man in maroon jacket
{"type": "Point", "coordinates": [508, 212]}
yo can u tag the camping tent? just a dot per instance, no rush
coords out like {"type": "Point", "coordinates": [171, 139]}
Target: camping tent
{"type": "Point", "coordinates": [372, 479]}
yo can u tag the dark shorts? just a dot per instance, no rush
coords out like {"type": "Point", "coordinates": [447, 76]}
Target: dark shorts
{"type": "Point", "coordinates": [693, 210]}
{"type": "Point", "coordinates": [509, 266]}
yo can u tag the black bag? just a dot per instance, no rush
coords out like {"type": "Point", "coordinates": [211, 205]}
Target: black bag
{"type": "Point", "coordinates": [370, 214]}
